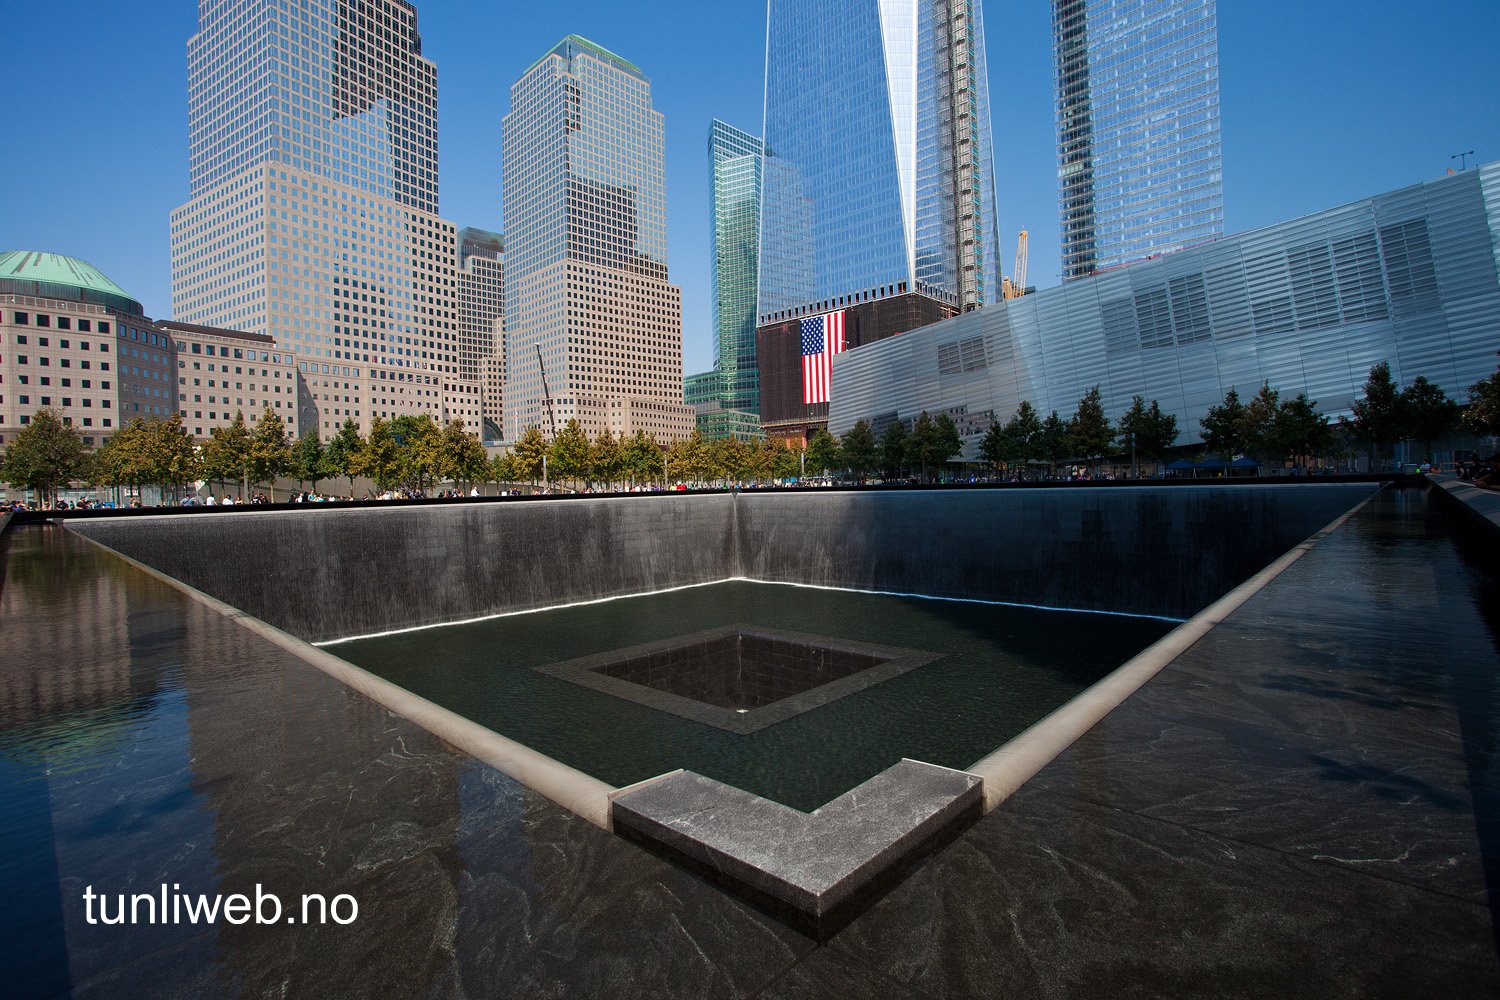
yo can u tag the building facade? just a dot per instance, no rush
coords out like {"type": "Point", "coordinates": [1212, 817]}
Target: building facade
{"type": "Point", "coordinates": [481, 316]}
{"type": "Point", "coordinates": [727, 399]}
{"type": "Point", "coordinates": [221, 373]}
{"type": "Point", "coordinates": [313, 198]}
{"type": "Point", "coordinates": [593, 326]}
{"type": "Point", "coordinates": [73, 341]}
{"type": "Point", "coordinates": [1408, 277]}
{"type": "Point", "coordinates": [1139, 166]}
{"type": "Point", "coordinates": [878, 194]}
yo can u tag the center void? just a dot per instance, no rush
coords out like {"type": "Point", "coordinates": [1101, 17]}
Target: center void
{"type": "Point", "coordinates": [738, 677]}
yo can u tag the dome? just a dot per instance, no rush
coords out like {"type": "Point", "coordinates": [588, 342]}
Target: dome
{"type": "Point", "coordinates": [52, 275]}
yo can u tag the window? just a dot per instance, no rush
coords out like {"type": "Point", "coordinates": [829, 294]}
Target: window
{"type": "Point", "coordinates": [83, 326]}
{"type": "Point", "coordinates": [43, 319]}
{"type": "Point", "coordinates": [64, 323]}
{"type": "Point", "coordinates": [103, 328]}
{"type": "Point", "coordinates": [22, 319]}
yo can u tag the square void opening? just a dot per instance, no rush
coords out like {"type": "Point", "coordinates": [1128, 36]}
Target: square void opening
{"type": "Point", "coordinates": [740, 678]}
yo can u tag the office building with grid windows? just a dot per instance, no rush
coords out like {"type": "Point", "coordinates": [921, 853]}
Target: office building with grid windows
{"type": "Point", "coordinates": [593, 326]}
{"type": "Point", "coordinates": [313, 198]}
{"type": "Point", "coordinates": [481, 316]}
{"type": "Point", "coordinates": [1139, 167]}
{"type": "Point", "coordinates": [727, 398]}
{"type": "Point", "coordinates": [879, 194]}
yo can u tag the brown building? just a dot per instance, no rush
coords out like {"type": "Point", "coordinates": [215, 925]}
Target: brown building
{"type": "Point", "coordinates": [224, 372]}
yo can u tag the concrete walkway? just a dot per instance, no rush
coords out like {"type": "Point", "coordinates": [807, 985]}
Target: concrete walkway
{"type": "Point", "coordinates": [1305, 803]}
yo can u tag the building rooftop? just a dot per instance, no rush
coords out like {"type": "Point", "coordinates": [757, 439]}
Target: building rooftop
{"type": "Point", "coordinates": [177, 326]}
{"type": "Point", "coordinates": [36, 272]}
{"type": "Point", "coordinates": [571, 43]}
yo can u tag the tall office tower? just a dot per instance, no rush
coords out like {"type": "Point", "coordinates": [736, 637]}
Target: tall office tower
{"type": "Point", "coordinates": [313, 180]}
{"type": "Point", "coordinates": [593, 328]}
{"type": "Point", "coordinates": [728, 397]}
{"type": "Point", "coordinates": [878, 210]}
{"type": "Point", "coordinates": [1139, 168]}
{"type": "Point", "coordinates": [481, 315]}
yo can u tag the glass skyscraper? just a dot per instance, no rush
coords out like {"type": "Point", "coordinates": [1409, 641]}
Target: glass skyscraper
{"type": "Point", "coordinates": [1139, 166]}
{"type": "Point", "coordinates": [879, 191]}
{"type": "Point", "coordinates": [593, 328]}
{"type": "Point", "coordinates": [732, 388]}
{"type": "Point", "coordinates": [313, 196]}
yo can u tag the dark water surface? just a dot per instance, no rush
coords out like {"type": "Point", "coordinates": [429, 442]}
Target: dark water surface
{"type": "Point", "coordinates": [1000, 669]}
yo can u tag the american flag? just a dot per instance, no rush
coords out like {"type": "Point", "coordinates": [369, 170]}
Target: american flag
{"type": "Point", "coordinates": [822, 338]}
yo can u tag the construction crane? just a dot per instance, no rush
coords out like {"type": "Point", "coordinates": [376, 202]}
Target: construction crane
{"type": "Point", "coordinates": [1014, 288]}
{"type": "Point", "coordinates": [546, 393]}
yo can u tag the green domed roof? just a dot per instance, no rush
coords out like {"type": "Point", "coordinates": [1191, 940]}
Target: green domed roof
{"type": "Point", "coordinates": [32, 272]}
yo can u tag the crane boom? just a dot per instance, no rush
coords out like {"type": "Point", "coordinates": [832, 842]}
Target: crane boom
{"type": "Point", "coordinates": [1023, 251]}
{"type": "Point", "coordinates": [546, 392]}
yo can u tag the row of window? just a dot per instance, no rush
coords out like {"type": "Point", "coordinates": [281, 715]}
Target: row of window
{"type": "Point", "coordinates": [63, 323]}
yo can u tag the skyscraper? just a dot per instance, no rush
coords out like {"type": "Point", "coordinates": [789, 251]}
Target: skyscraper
{"type": "Point", "coordinates": [593, 328]}
{"type": "Point", "coordinates": [731, 391]}
{"type": "Point", "coordinates": [878, 209]}
{"type": "Point", "coordinates": [1139, 167]}
{"type": "Point", "coordinates": [312, 217]}
{"type": "Point", "coordinates": [481, 315]}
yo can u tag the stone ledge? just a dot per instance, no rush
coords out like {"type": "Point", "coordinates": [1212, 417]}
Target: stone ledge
{"type": "Point", "coordinates": [1482, 505]}
{"type": "Point", "coordinates": [814, 871]}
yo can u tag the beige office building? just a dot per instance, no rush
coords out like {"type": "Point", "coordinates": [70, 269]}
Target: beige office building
{"type": "Point", "coordinates": [312, 217]}
{"type": "Point", "coordinates": [593, 326]}
{"type": "Point", "coordinates": [481, 317]}
{"type": "Point", "coordinates": [73, 341]}
{"type": "Point", "coordinates": [224, 372]}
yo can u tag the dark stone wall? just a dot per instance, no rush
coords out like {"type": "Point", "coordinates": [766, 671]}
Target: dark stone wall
{"type": "Point", "coordinates": [327, 573]}
{"type": "Point", "coordinates": [1152, 550]}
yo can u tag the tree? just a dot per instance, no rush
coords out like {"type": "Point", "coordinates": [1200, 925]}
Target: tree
{"type": "Point", "coordinates": [893, 449]}
{"type": "Point", "coordinates": [1053, 442]}
{"type": "Point", "coordinates": [341, 457]}
{"type": "Point", "coordinates": [1258, 430]}
{"type": "Point", "coordinates": [1222, 425]}
{"type": "Point", "coordinates": [823, 453]}
{"type": "Point", "coordinates": [642, 458]}
{"type": "Point", "coordinates": [922, 444]}
{"type": "Point", "coordinates": [45, 454]}
{"type": "Point", "coordinates": [461, 457]}
{"type": "Point", "coordinates": [788, 461]}
{"type": "Point", "coordinates": [1379, 417]}
{"type": "Point", "coordinates": [269, 453]}
{"type": "Point", "coordinates": [569, 456]}
{"type": "Point", "coordinates": [379, 456]}
{"type": "Point", "coordinates": [1147, 431]}
{"type": "Point", "coordinates": [419, 443]}
{"type": "Point", "coordinates": [763, 457]}
{"type": "Point", "coordinates": [505, 469]}
{"type": "Point", "coordinates": [606, 458]}
{"type": "Point", "coordinates": [688, 459]}
{"type": "Point", "coordinates": [1483, 415]}
{"type": "Point", "coordinates": [529, 451]}
{"type": "Point", "coordinates": [1016, 441]}
{"type": "Point", "coordinates": [1429, 413]}
{"type": "Point", "coordinates": [946, 442]}
{"type": "Point", "coordinates": [227, 454]}
{"type": "Point", "coordinates": [307, 461]}
{"type": "Point", "coordinates": [171, 457]}
{"type": "Point", "coordinates": [1301, 431]}
{"type": "Point", "coordinates": [731, 458]}
{"type": "Point", "coordinates": [860, 452]}
{"type": "Point", "coordinates": [1089, 432]}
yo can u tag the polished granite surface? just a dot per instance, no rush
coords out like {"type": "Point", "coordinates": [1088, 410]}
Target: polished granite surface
{"type": "Point", "coordinates": [1305, 803]}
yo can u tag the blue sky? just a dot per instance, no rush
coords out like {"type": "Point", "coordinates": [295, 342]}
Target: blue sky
{"type": "Point", "coordinates": [1324, 102]}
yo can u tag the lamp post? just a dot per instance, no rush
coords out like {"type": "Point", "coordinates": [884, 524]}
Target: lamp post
{"type": "Point", "coordinates": [546, 488]}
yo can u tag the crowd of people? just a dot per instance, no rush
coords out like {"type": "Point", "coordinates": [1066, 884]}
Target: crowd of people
{"type": "Point", "coordinates": [1481, 472]}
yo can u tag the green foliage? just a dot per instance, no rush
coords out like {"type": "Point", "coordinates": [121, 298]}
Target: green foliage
{"type": "Point", "coordinates": [269, 451]}
{"type": "Point", "coordinates": [1053, 442]}
{"type": "Point", "coordinates": [1429, 412]}
{"type": "Point", "coordinates": [528, 452]}
{"type": "Point", "coordinates": [763, 456]}
{"type": "Point", "coordinates": [921, 444]}
{"type": "Point", "coordinates": [1016, 441]}
{"type": "Point", "coordinates": [893, 449]}
{"type": "Point", "coordinates": [1089, 432]}
{"type": "Point", "coordinates": [787, 462]}
{"type": "Point", "coordinates": [1379, 417]}
{"type": "Point", "coordinates": [45, 454]}
{"type": "Point", "coordinates": [379, 456]}
{"type": "Point", "coordinates": [822, 453]}
{"type": "Point", "coordinates": [860, 452]}
{"type": "Point", "coordinates": [1483, 415]}
{"type": "Point", "coordinates": [419, 448]}
{"type": "Point", "coordinates": [642, 458]}
{"type": "Point", "coordinates": [1147, 429]}
{"type": "Point", "coordinates": [1221, 427]}
{"type": "Point", "coordinates": [689, 459]}
{"type": "Point", "coordinates": [226, 457]}
{"type": "Point", "coordinates": [731, 457]}
{"type": "Point", "coordinates": [461, 457]}
{"type": "Point", "coordinates": [341, 456]}
{"type": "Point", "coordinates": [1301, 431]}
{"type": "Point", "coordinates": [568, 458]}
{"type": "Point", "coordinates": [505, 469]}
{"type": "Point", "coordinates": [306, 464]}
{"type": "Point", "coordinates": [1258, 425]}
{"type": "Point", "coordinates": [607, 458]}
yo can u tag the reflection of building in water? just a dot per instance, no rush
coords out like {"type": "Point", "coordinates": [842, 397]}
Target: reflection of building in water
{"type": "Point", "coordinates": [67, 606]}
{"type": "Point", "coordinates": [316, 789]}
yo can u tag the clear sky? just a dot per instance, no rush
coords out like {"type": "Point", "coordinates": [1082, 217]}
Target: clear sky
{"type": "Point", "coordinates": [1324, 102]}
